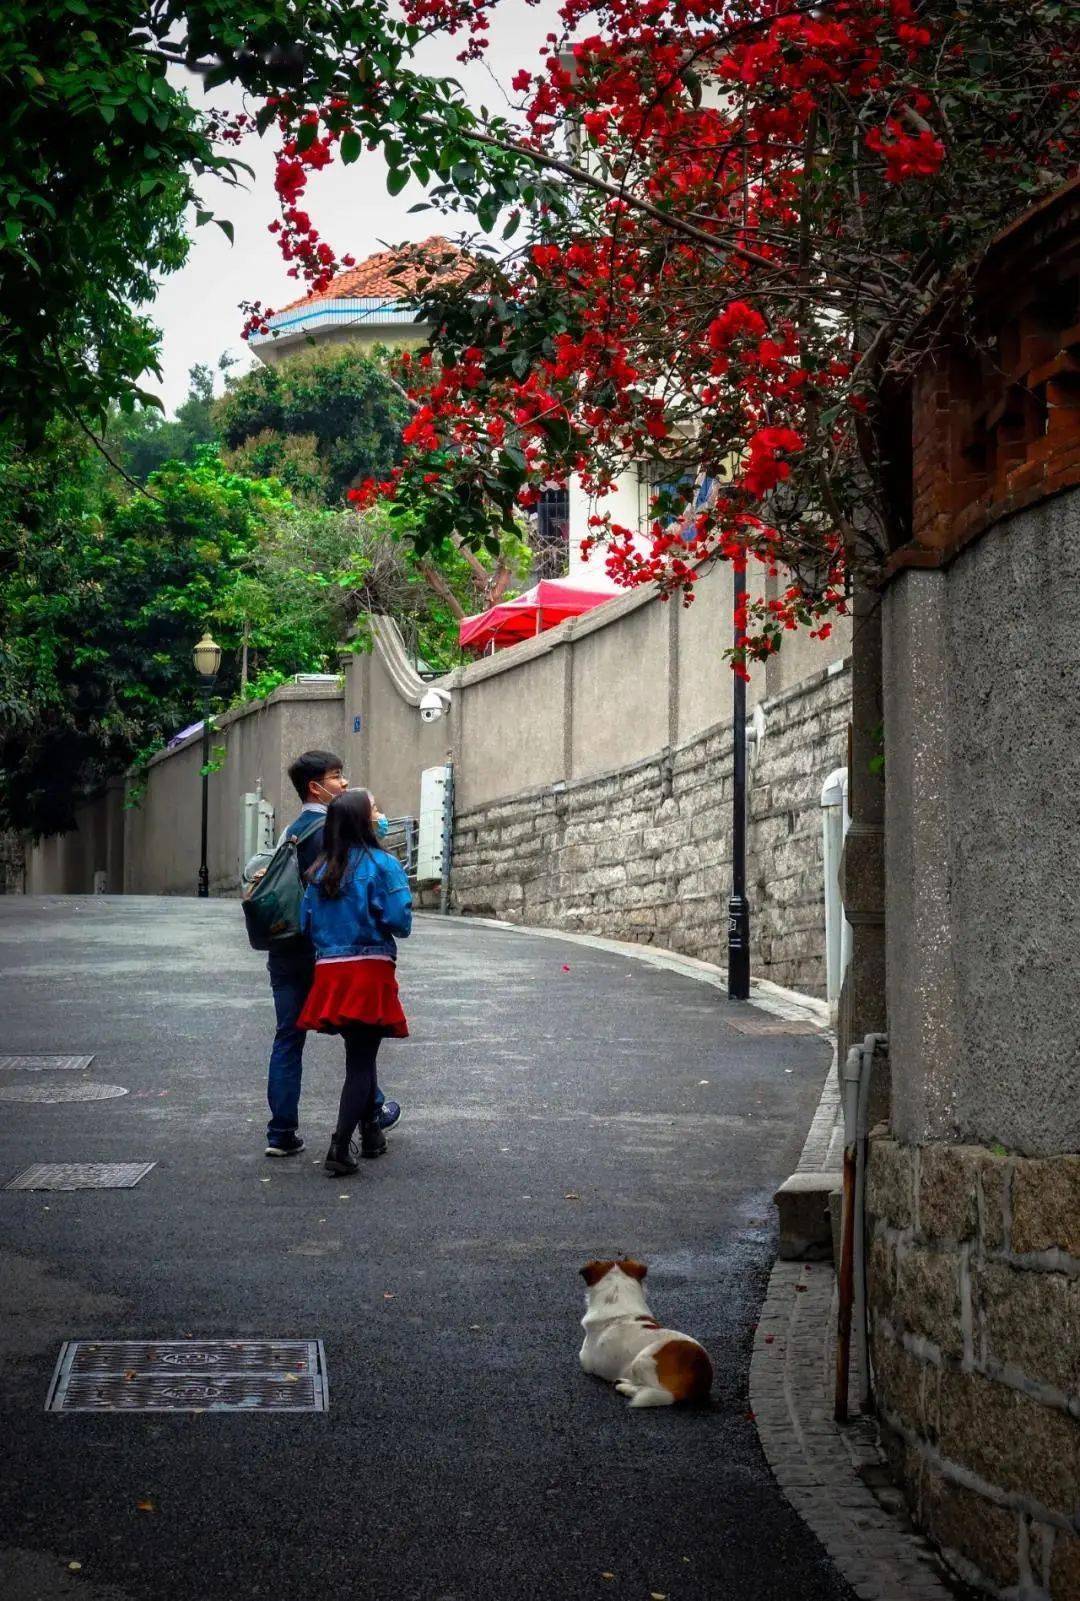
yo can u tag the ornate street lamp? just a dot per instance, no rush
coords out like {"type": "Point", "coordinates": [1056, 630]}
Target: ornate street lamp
{"type": "Point", "coordinates": [207, 656]}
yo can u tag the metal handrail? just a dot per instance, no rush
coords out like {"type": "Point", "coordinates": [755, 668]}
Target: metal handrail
{"type": "Point", "coordinates": [401, 840]}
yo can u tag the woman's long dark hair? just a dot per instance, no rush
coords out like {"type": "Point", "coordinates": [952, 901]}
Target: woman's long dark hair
{"type": "Point", "coordinates": [349, 826]}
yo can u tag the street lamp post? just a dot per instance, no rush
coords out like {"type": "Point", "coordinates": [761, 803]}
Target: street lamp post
{"type": "Point", "coordinates": [207, 656]}
{"type": "Point", "coordinates": [738, 905]}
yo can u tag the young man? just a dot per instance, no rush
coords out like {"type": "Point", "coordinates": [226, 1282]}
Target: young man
{"type": "Point", "coordinates": [318, 777]}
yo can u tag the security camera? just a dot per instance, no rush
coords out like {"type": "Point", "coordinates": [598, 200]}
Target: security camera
{"type": "Point", "coordinates": [433, 703]}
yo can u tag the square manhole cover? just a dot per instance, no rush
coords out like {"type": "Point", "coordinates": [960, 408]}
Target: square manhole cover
{"type": "Point", "coordinates": [748, 1025]}
{"type": "Point", "coordinates": [190, 1376]}
{"type": "Point", "coordinates": [39, 1064]}
{"type": "Point", "coordinates": [80, 1176]}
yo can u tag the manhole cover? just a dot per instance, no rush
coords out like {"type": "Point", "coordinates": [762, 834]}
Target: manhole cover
{"type": "Point", "coordinates": [80, 1176]}
{"type": "Point", "coordinates": [189, 1376]}
{"type": "Point", "coordinates": [60, 1092]}
{"type": "Point", "coordinates": [39, 1064]}
{"type": "Point", "coordinates": [751, 1026]}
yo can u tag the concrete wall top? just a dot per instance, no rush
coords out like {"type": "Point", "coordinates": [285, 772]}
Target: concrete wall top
{"type": "Point", "coordinates": [635, 676]}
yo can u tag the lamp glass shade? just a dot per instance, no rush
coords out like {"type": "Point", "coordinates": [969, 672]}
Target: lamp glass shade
{"type": "Point", "coordinates": [207, 656]}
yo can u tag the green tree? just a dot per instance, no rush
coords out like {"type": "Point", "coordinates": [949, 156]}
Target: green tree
{"type": "Point", "coordinates": [319, 421]}
{"type": "Point", "coordinates": [101, 603]}
{"type": "Point", "coordinates": [142, 441]}
{"type": "Point", "coordinates": [326, 418]}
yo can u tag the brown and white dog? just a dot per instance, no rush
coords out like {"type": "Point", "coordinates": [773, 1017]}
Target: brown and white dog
{"type": "Point", "coordinates": [625, 1344]}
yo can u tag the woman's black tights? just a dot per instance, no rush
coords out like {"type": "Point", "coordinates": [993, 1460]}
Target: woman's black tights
{"type": "Point", "coordinates": [358, 1093]}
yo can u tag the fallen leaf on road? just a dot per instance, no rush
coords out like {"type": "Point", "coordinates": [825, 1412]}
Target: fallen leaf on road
{"type": "Point", "coordinates": [74, 1567]}
{"type": "Point", "coordinates": [657, 1595]}
{"type": "Point", "coordinates": [571, 1195]}
{"type": "Point", "coordinates": [343, 1197]}
{"type": "Point", "coordinates": [388, 1295]}
{"type": "Point", "coordinates": [290, 1378]}
{"type": "Point", "coordinates": [474, 1328]}
{"type": "Point", "coordinates": [566, 967]}
{"type": "Point", "coordinates": [146, 1506]}
{"type": "Point", "coordinates": [769, 1338]}
{"type": "Point", "coordinates": [130, 1374]}
{"type": "Point", "coordinates": [607, 1575]}
{"type": "Point", "coordinates": [264, 1181]}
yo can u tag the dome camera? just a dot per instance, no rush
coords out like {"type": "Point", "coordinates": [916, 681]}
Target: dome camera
{"type": "Point", "coordinates": [433, 703]}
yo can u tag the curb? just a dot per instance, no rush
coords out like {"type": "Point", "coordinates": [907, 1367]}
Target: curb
{"type": "Point", "coordinates": [827, 1473]}
{"type": "Point", "coordinates": [836, 1479]}
{"type": "Point", "coordinates": [790, 1005]}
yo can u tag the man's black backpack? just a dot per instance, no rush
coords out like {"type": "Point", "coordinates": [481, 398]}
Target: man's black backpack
{"type": "Point", "coordinates": [272, 905]}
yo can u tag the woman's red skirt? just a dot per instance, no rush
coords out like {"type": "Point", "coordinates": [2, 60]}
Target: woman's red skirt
{"type": "Point", "coordinates": [354, 989]}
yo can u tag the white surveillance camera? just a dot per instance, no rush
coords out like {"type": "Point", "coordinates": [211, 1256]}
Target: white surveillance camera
{"type": "Point", "coordinates": [433, 703]}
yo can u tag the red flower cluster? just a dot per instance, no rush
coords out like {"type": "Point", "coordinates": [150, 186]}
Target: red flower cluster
{"type": "Point", "coordinates": [906, 155]}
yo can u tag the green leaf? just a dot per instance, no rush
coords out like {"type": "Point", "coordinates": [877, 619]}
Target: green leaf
{"type": "Point", "coordinates": [227, 229]}
{"type": "Point", "coordinates": [351, 146]}
{"type": "Point", "coordinates": [397, 179]}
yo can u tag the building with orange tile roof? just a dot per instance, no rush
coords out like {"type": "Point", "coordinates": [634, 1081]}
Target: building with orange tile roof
{"type": "Point", "coordinates": [367, 304]}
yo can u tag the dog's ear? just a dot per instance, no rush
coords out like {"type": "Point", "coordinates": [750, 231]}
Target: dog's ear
{"type": "Point", "coordinates": [593, 1272]}
{"type": "Point", "coordinates": [632, 1269]}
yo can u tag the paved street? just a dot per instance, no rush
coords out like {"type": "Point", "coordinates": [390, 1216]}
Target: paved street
{"type": "Point", "coordinates": [551, 1116]}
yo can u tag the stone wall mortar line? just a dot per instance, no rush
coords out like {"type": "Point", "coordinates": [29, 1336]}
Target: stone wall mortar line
{"type": "Point", "coordinates": [1010, 1378]}
{"type": "Point", "coordinates": [957, 1473]}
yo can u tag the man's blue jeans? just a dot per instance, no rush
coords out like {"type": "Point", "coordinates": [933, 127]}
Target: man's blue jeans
{"type": "Point", "coordinates": [290, 980]}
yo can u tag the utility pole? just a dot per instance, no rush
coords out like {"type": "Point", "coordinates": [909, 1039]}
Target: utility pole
{"type": "Point", "coordinates": [738, 906]}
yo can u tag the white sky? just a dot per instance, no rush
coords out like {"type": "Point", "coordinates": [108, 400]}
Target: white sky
{"type": "Point", "coordinates": [197, 309]}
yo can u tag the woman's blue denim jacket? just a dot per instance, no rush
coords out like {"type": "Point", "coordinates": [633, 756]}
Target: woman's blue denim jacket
{"type": "Point", "coordinates": [373, 905]}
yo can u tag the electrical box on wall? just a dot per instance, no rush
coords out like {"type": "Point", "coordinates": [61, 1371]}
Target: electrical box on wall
{"type": "Point", "coordinates": [256, 825]}
{"type": "Point", "coordinates": [431, 838]}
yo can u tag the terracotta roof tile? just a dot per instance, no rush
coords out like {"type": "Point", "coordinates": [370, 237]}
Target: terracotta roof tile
{"type": "Point", "coordinates": [374, 279]}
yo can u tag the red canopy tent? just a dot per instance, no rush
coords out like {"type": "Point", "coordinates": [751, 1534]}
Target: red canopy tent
{"type": "Point", "coordinates": [544, 606]}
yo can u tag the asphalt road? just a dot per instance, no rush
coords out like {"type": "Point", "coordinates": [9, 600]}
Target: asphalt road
{"type": "Point", "coordinates": [561, 1103]}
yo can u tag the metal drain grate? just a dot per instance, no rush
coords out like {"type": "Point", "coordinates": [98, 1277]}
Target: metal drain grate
{"type": "Point", "coordinates": [190, 1376]}
{"type": "Point", "coordinates": [54, 1093]}
{"type": "Point", "coordinates": [39, 1064]}
{"type": "Point", "coordinates": [80, 1176]}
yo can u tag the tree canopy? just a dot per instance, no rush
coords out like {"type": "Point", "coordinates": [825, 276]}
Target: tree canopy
{"type": "Point", "coordinates": [319, 421]}
{"type": "Point", "coordinates": [728, 218]}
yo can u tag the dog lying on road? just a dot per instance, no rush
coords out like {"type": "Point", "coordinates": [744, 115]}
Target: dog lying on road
{"type": "Point", "coordinates": [625, 1344]}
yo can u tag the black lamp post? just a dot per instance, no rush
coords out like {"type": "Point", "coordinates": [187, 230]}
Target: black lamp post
{"type": "Point", "coordinates": [207, 657]}
{"type": "Point", "coordinates": [738, 905]}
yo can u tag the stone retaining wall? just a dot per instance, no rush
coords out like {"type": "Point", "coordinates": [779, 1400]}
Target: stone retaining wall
{"type": "Point", "coordinates": [643, 853]}
{"type": "Point", "coordinates": [974, 1264]}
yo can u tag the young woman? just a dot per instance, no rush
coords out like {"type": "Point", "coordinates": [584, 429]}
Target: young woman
{"type": "Point", "coordinates": [356, 902]}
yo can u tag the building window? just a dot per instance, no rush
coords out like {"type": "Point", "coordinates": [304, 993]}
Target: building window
{"type": "Point", "coordinates": [551, 534]}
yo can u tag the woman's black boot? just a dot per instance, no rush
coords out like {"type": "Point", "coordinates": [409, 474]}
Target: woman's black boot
{"type": "Point", "coordinates": [372, 1139]}
{"type": "Point", "coordinates": [340, 1158]}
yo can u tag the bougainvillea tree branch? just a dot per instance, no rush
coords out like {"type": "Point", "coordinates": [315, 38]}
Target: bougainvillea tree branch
{"type": "Point", "coordinates": [733, 217]}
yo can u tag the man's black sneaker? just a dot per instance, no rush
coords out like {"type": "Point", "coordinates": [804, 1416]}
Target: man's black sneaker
{"type": "Point", "coordinates": [372, 1140]}
{"type": "Point", "coordinates": [284, 1145]}
{"type": "Point", "coordinates": [341, 1157]}
{"type": "Point", "coordinates": [389, 1116]}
